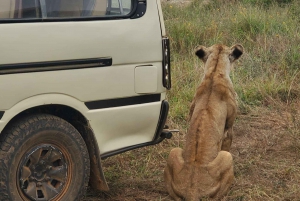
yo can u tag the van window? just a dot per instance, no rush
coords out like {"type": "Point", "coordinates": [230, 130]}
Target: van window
{"type": "Point", "coordinates": [42, 9]}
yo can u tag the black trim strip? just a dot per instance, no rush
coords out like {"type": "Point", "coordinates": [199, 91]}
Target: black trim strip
{"type": "Point", "coordinates": [122, 101]}
{"type": "Point", "coordinates": [1, 114]}
{"type": "Point", "coordinates": [162, 120]}
{"type": "Point", "coordinates": [157, 139]}
{"type": "Point", "coordinates": [54, 65]}
{"type": "Point", "coordinates": [140, 9]}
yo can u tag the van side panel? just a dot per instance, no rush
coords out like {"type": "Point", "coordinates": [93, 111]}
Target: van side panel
{"type": "Point", "coordinates": [130, 43]}
{"type": "Point", "coordinates": [83, 84]}
{"type": "Point", "coordinates": [109, 123]}
{"type": "Point", "coordinates": [162, 23]}
{"type": "Point", "coordinates": [54, 41]}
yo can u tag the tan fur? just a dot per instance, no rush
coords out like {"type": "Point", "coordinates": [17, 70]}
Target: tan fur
{"type": "Point", "coordinates": [204, 168]}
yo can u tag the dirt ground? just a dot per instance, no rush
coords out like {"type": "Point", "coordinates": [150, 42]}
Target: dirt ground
{"type": "Point", "coordinates": [266, 151]}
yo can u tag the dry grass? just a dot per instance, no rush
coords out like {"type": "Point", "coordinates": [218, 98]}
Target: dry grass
{"type": "Point", "coordinates": [266, 151]}
{"type": "Point", "coordinates": [266, 146]}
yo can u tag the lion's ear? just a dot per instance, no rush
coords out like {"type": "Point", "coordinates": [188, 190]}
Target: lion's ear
{"type": "Point", "coordinates": [201, 52]}
{"type": "Point", "coordinates": [236, 52]}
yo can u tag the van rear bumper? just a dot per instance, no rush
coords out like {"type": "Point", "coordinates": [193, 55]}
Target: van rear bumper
{"type": "Point", "coordinates": [158, 137]}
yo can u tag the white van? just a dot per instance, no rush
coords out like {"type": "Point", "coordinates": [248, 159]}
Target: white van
{"type": "Point", "coordinates": [80, 80]}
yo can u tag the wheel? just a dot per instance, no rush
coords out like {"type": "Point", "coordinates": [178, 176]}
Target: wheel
{"type": "Point", "coordinates": [43, 157]}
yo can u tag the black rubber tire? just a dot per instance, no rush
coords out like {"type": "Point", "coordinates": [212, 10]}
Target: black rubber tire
{"type": "Point", "coordinates": [40, 130]}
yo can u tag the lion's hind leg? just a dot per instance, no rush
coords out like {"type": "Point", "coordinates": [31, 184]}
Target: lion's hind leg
{"type": "Point", "coordinates": [226, 144]}
{"type": "Point", "coordinates": [221, 169]}
{"type": "Point", "coordinates": [175, 164]}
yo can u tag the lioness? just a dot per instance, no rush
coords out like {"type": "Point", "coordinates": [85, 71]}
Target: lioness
{"type": "Point", "coordinates": [204, 167]}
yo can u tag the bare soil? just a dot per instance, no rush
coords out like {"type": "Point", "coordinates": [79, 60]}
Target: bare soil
{"type": "Point", "coordinates": [266, 151]}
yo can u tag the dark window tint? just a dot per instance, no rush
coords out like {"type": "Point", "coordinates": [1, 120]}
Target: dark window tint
{"type": "Point", "coordinates": [29, 9]}
{"type": "Point", "coordinates": [18, 9]}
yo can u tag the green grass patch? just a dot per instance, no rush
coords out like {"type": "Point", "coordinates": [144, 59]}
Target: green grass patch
{"type": "Point", "coordinates": [269, 32]}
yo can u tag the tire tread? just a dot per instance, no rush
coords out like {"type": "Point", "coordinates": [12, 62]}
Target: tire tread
{"type": "Point", "coordinates": [11, 137]}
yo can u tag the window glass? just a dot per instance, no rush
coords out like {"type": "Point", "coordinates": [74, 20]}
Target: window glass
{"type": "Point", "coordinates": [18, 9]}
{"type": "Point", "coordinates": [119, 7]}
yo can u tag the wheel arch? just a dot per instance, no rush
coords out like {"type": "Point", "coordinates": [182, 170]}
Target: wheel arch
{"type": "Point", "coordinates": [81, 123]}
